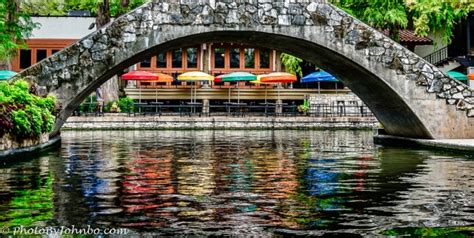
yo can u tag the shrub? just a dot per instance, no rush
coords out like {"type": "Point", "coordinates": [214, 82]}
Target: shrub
{"type": "Point", "coordinates": [126, 104]}
{"type": "Point", "coordinates": [22, 114]}
{"type": "Point", "coordinates": [22, 124]}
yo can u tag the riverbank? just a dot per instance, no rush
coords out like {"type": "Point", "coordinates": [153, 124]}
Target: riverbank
{"type": "Point", "coordinates": [22, 152]}
{"type": "Point", "coordinates": [464, 145]}
{"type": "Point", "coordinates": [124, 122]}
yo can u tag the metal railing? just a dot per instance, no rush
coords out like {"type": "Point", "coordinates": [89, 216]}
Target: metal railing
{"type": "Point", "coordinates": [240, 110]}
{"type": "Point", "coordinates": [341, 110]}
{"type": "Point", "coordinates": [437, 56]}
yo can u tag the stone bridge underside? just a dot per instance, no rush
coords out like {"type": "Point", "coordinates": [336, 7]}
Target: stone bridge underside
{"type": "Point", "coordinates": [410, 97]}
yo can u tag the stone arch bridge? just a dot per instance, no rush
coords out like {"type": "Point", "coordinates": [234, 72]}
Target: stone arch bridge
{"type": "Point", "coordinates": [409, 96]}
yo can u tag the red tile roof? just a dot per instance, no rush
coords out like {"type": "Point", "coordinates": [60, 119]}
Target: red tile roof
{"type": "Point", "coordinates": [408, 36]}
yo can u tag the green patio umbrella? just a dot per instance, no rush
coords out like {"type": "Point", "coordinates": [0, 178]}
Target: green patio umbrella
{"type": "Point", "coordinates": [457, 75]}
{"type": "Point", "coordinates": [236, 77]}
{"type": "Point", "coordinates": [6, 74]}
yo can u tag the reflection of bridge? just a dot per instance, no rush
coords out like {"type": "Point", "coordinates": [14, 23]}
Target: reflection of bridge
{"type": "Point", "coordinates": [409, 96]}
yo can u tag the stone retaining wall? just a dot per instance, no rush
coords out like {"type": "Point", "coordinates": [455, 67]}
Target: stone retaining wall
{"type": "Point", "coordinates": [217, 123]}
{"type": "Point", "coordinates": [7, 142]}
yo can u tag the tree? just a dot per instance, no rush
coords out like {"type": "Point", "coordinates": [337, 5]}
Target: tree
{"type": "Point", "coordinates": [15, 27]}
{"type": "Point", "coordinates": [382, 14]}
{"type": "Point", "coordinates": [292, 64]}
{"type": "Point", "coordinates": [439, 17]}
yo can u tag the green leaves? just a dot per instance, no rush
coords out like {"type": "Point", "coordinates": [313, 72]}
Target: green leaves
{"type": "Point", "coordinates": [15, 26]}
{"type": "Point", "coordinates": [62, 7]}
{"type": "Point", "coordinates": [292, 64]}
{"type": "Point", "coordinates": [439, 17]}
{"type": "Point", "coordinates": [23, 114]}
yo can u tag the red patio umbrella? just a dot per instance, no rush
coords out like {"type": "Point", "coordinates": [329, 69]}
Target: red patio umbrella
{"type": "Point", "coordinates": [140, 75]}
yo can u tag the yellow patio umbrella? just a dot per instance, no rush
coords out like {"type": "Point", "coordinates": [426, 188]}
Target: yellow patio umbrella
{"type": "Point", "coordinates": [194, 76]}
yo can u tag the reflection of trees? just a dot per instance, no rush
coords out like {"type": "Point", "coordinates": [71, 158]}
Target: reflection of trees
{"type": "Point", "coordinates": [28, 194]}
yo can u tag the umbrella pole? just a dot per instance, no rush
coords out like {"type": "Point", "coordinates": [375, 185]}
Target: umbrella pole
{"type": "Point", "coordinates": [336, 86]}
{"type": "Point", "coordinates": [319, 88]}
{"type": "Point", "coordinates": [266, 100]}
{"type": "Point", "coordinates": [238, 93]}
{"type": "Point", "coordinates": [191, 98]}
{"type": "Point", "coordinates": [229, 94]}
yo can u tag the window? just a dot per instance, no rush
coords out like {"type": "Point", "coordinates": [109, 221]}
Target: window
{"type": "Point", "coordinates": [25, 59]}
{"type": "Point", "coordinates": [234, 58]}
{"type": "Point", "coordinates": [249, 55]}
{"type": "Point", "coordinates": [264, 58]}
{"type": "Point", "coordinates": [40, 55]}
{"type": "Point", "coordinates": [161, 60]}
{"type": "Point", "coordinates": [146, 63]}
{"type": "Point", "coordinates": [219, 58]}
{"type": "Point", "coordinates": [54, 51]}
{"type": "Point", "coordinates": [177, 58]}
{"type": "Point", "coordinates": [191, 57]}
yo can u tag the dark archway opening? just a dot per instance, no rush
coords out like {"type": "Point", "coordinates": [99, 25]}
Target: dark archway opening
{"type": "Point", "coordinates": [386, 104]}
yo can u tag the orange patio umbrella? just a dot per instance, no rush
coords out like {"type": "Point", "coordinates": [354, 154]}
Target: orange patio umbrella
{"type": "Point", "coordinates": [162, 78]}
{"type": "Point", "coordinates": [277, 77]}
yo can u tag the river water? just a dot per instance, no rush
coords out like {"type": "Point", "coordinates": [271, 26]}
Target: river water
{"type": "Point", "coordinates": [240, 183]}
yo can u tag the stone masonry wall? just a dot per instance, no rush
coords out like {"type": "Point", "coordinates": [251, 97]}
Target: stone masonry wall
{"type": "Point", "coordinates": [76, 71]}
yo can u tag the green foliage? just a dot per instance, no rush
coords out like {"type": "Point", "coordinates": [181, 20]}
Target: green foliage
{"type": "Point", "coordinates": [23, 114]}
{"type": "Point", "coordinates": [22, 124]}
{"type": "Point", "coordinates": [438, 16]}
{"type": "Point", "coordinates": [62, 7]}
{"type": "Point", "coordinates": [292, 64]}
{"type": "Point", "coordinates": [15, 26]}
{"type": "Point", "coordinates": [36, 116]}
{"type": "Point", "coordinates": [427, 16]}
{"type": "Point", "coordinates": [126, 104]}
{"type": "Point", "coordinates": [303, 108]}
{"type": "Point", "coordinates": [382, 14]}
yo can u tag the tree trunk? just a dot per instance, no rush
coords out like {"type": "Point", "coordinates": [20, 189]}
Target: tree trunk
{"type": "Point", "coordinates": [110, 87]}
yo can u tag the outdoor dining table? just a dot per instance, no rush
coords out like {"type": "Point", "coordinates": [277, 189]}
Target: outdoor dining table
{"type": "Point", "coordinates": [139, 106]}
{"type": "Point", "coordinates": [239, 108]}
{"type": "Point", "coordinates": [192, 107]}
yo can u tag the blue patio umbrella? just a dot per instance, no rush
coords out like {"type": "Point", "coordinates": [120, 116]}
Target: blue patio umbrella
{"type": "Point", "coordinates": [318, 77]}
{"type": "Point", "coordinates": [6, 74]}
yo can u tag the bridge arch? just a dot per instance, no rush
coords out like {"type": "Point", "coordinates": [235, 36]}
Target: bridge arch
{"type": "Point", "coordinates": [409, 96]}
